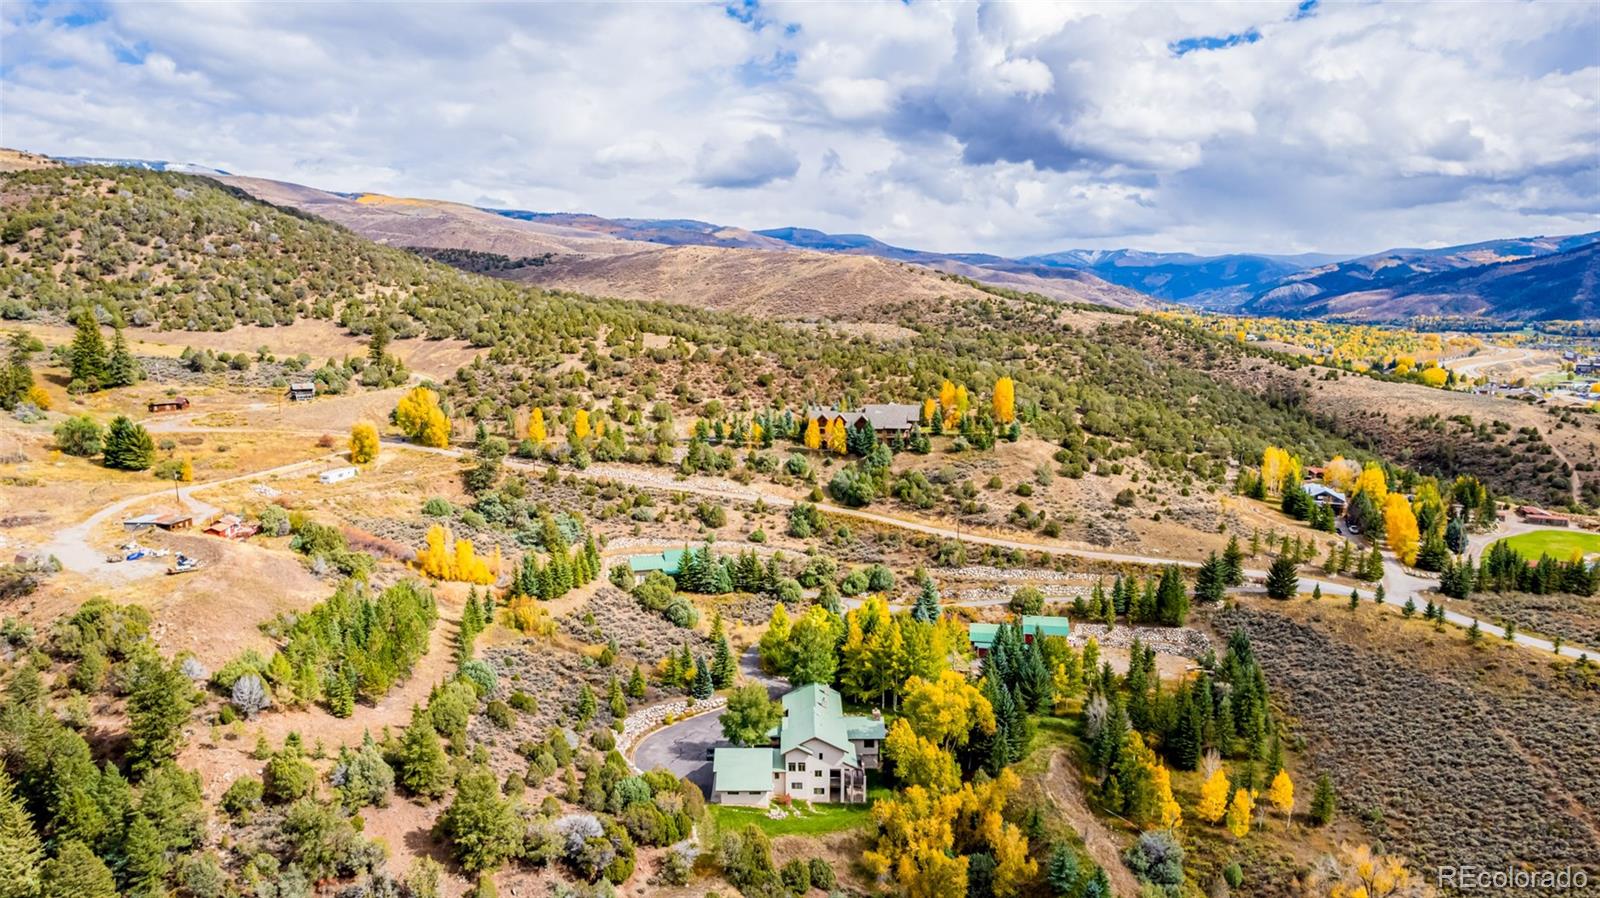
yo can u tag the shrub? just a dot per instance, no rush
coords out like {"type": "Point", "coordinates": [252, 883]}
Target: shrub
{"type": "Point", "coordinates": [499, 713]}
{"type": "Point", "coordinates": [796, 876]}
{"type": "Point", "coordinates": [822, 875]}
{"type": "Point", "coordinates": [1156, 858]}
{"type": "Point", "coordinates": [242, 797]}
{"type": "Point", "coordinates": [81, 436]}
{"type": "Point", "coordinates": [1027, 600]}
{"type": "Point", "coordinates": [438, 507]}
{"type": "Point", "coordinates": [288, 777]}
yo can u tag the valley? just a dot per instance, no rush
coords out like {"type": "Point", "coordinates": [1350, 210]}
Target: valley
{"type": "Point", "coordinates": [1056, 585]}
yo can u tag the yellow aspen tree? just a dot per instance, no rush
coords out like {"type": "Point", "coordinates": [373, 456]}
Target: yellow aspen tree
{"type": "Point", "coordinates": [755, 435]}
{"type": "Point", "coordinates": [1005, 401]}
{"type": "Point", "coordinates": [1400, 526]}
{"type": "Point", "coordinates": [947, 396]}
{"type": "Point", "coordinates": [363, 443]}
{"type": "Point", "coordinates": [435, 430]}
{"type": "Point", "coordinates": [836, 437]}
{"type": "Point", "coordinates": [1213, 797]}
{"type": "Point", "coordinates": [599, 426]}
{"type": "Point", "coordinates": [433, 560]}
{"type": "Point", "coordinates": [39, 398]}
{"type": "Point", "coordinates": [1281, 794]}
{"type": "Point", "coordinates": [1168, 812]}
{"type": "Point", "coordinates": [536, 431]}
{"type": "Point", "coordinates": [1239, 811]}
{"type": "Point", "coordinates": [580, 424]}
{"type": "Point", "coordinates": [929, 407]}
{"type": "Point", "coordinates": [1373, 483]}
{"type": "Point", "coordinates": [963, 402]}
{"type": "Point", "coordinates": [813, 437]}
{"type": "Point", "coordinates": [186, 471]}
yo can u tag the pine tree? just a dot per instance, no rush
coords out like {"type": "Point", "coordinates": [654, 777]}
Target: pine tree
{"type": "Point", "coordinates": [159, 704]}
{"type": "Point", "coordinates": [21, 852]}
{"type": "Point", "coordinates": [129, 446]}
{"type": "Point", "coordinates": [1172, 599]}
{"type": "Point", "coordinates": [926, 608]}
{"type": "Point", "coordinates": [723, 667]}
{"type": "Point", "coordinates": [701, 688]}
{"type": "Point", "coordinates": [88, 353]}
{"type": "Point", "coordinates": [636, 683]}
{"type": "Point", "coordinates": [144, 859]}
{"type": "Point", "coordinates": [1233, 563]}
{"type": "Point", "coordinates": [75, 872]}
{"type": "Point", "coordinates": [1283, 581]}
{"type": "Point", "coordinates": [424, 768]}
{"type": "Point", "coordinates": [1372, 567]}
{"type": "Point", "coordinates": [121, 370]}
{"type": "Point", "coordinates": [1323, 802]}
{"type": "Point", "coordinates": [1475, 632]}
{"type": "Point", "coordinates": [588, 705]}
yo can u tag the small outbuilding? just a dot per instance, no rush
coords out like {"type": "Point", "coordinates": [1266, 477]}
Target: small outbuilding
{"type": "Point", "coordinates": [666, 562]}
{"type": "Point", "coordinates": [142, 522]}
{"type": "Point", "coordinates": [337, 474]}
{"type": "Point", "coordinates": [302, 390]}
{"type": "Point", "coordinates": [169, 404]}
{"type": "Point", "coordinates": [231, 526]}
{"type": "Point", "coordinates": [177, 520]}
{"type": "Point", "coordinates": [982, 635]}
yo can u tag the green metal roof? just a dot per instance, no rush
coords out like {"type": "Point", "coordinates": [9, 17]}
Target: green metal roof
{"type": "Point", "coordinates": [743, 769]}
{"type": "Point", "coordinates": [858, 727]}
{"type": "Point", "coordinates": [666, 562]}
{"type": "Point", "coordinates": [982, 635]}
{"type": "Point", "coordinates": [814, 711]}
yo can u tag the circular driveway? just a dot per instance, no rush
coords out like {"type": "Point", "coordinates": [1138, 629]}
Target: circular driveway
{"type": "Point", "coordinates": [683, 748]}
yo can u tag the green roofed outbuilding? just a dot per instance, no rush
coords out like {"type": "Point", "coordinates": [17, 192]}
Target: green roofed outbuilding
{"type": "Point", "coordinates": [982, 635]}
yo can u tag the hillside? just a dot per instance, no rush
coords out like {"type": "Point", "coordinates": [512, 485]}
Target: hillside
{"type": "Point", "coordinates": [398, 221]}
{"type": "Point", "coordinates": [1525, 279]}
{"type": "Point", "coordinates": [783, 284]}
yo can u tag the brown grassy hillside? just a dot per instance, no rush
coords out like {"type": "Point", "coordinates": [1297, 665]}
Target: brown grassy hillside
{"type": "Point", "coordinates": [398, 221]}
{"type": "Point", "coordinates": [802, 285]}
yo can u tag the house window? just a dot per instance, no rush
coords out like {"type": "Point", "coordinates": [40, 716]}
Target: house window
{"type": "Point", "coordinates": [818, 774]}
{"type": "Point", "coordinates": [796, 787]}
{"type": "Point", "coordinates": [797, 767]}
{"type": "Point", "coordinates": [819, 791]}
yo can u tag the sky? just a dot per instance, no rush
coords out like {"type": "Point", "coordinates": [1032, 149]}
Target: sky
{"type": "Point", "coordinates": [1011, 128]}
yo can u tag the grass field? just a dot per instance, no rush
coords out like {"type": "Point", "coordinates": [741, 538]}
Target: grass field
{"type": "Point", "coordinates": [1560, 544]}
{"type": "Point", "coordinates": [804, 819]}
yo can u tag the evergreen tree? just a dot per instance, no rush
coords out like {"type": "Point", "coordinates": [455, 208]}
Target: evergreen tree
{"type": "Point", "coordinates": [1372, 567]}
{"type": "Point", "coordinates": [423, 766]}
{"type": "Point", "coordinates": [129, 446]}
{"type": "Point", "coordinates": [88, 352]}
{"type": "Point", "coordinates": [701, 688]}
{"type": "Point", "coordinates": [121, 370]}
{"type": "Point", "coordinates": [159, 703]}
{"type": "Point", "coordinates": [75, 872]}
{"type": "Point", "coordinates": [1283, 581]}
{"type": "Point", "coordinates": [1233, 563]}
{"type": "Point", "coordinates": [1171, 599]}
{"type": "Point", "coordinates": [1064, 872]}
{"type": "Point", "coordinates": [636, 683]}
{"type": "Point", "coordinates": [723, 667]}
{"type": "Point", "coordinates": [144, 860]}
{"type": "Point", "coordinates": [926, 608]}
{"type": "Point", "coordinates": [21, 852]}
{"type": "Point", "coordinates": [1323, 802]}
{"type": "Point", "coordinates": [1455, 536]}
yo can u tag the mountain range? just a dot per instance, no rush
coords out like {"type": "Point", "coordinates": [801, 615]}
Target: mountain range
{"type": "Point", "coordinates": [1504, 281]}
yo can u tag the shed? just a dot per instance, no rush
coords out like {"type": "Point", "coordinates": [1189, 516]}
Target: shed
{"type": "Point", "coordinates": [231, 526]}
{"type": "Point", "coordinates": [334, 475]}
{"type": "Point", "coordinates": [177, 520]}
{"type": "Point", "coordinates": [169, 404]}
{"type": "Point", "coordinates": [301, 390]}
{"type": "Point", "coordinates": [982, 635]}
{"type": "Point", "coordinates": [142, 522]}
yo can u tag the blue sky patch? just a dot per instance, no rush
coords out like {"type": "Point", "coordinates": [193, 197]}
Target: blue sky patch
{"type": "Point", "coordinates": [1191, 44]}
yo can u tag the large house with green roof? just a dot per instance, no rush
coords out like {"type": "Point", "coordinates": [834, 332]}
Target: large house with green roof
{"type": "Point", "coordinates": [817, 753]}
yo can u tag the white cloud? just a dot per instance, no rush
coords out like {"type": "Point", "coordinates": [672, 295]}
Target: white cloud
{"type": "Point", "coordinates": [1004, 127]}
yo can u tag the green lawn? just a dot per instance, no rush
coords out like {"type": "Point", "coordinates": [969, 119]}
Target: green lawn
{"type": "Point", "coordinates": [1558, 544]}
{"type": "Point", "coordinates": [804, 819]}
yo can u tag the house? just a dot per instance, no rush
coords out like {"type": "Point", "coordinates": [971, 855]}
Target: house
{"type": "Point", "coordinates": [334, 475]}
{"type": "Point", "coordinates": [301, 390]}
{"type": "Point", "coordinates": [170, 404]}
{"type": "Point", "coordinates": [231, 526]}
{"type": "Point", "coordinates": [1326, 495]}
{"type": "Point", "coordinates": [982, 635]}
{"type": "Point", "coordinates": [666, 562]}
{"type": "Point", "coordinates": [142, 522]}
{"type": "Point", "coordinates": [887, 420]}
{"type": "Point", "coordinates": [1315, 472]}
{"type": "Point", "coordinates": [818, 754]}
{"type": "Point", "coordinates": [1533, 514]}
{"type": "Point", "coordinates": [177, 520]}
